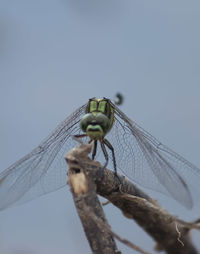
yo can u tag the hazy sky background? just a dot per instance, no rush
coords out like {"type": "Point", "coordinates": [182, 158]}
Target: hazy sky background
{"type": "Point", "coordinates": [56, 54]}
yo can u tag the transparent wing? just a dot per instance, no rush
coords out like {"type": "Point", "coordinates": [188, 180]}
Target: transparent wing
{"type": "Point", "coordinates": [44, 169]}
{"type": "Point", "coordinates": [143, 159]}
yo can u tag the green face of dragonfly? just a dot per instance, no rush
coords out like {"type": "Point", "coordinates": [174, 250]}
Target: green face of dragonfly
{"type": "Point", "coordinates": [98, 119]}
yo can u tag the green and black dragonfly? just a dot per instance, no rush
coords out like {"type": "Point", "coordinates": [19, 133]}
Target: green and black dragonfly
{"type": "Point", "coordinates": [140, 156]}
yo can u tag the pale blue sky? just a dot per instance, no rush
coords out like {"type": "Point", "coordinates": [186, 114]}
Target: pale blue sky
{"type": "Point", "coordinates": [56, 54]}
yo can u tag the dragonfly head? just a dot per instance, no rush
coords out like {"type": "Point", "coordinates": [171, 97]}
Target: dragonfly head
{"type": "Point", "coordinates": [95, 124]}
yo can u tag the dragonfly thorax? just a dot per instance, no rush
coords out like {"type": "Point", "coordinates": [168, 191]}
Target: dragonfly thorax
{"type": "Point", "coordinates": [95, 124]}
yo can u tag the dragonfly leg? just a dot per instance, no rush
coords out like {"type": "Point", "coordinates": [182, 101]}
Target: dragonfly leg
{"type": "Point", "coordinates": [80, 136]}
{"type": "Point", "coordinates": [104, 152]}
{"type": "Point", "coordinates": [108, 144]}
{"type": "Point", "coordinates": [94, 149]}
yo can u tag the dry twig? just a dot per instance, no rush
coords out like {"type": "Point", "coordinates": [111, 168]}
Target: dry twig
{"type": "Point", "coordinates": [170, 234]}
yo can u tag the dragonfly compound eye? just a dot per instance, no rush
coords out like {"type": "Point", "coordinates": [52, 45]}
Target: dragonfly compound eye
{"type": "Point", "coordinates": [103, 121]}
{"type": "Point", "coordinates": [85, 121]}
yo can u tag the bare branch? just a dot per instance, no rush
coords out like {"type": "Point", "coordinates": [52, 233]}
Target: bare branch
{"type": "Point", "coordinates": [85, 199]}
{"type": "Point", "coordinates": [170, 234]}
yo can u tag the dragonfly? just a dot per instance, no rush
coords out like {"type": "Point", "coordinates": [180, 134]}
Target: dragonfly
{"type": "Point", "coordinates": [140, 156]}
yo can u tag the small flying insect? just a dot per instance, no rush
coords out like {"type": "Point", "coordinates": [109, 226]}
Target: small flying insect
{"type": "Point", "coordinates": [119, 99]}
